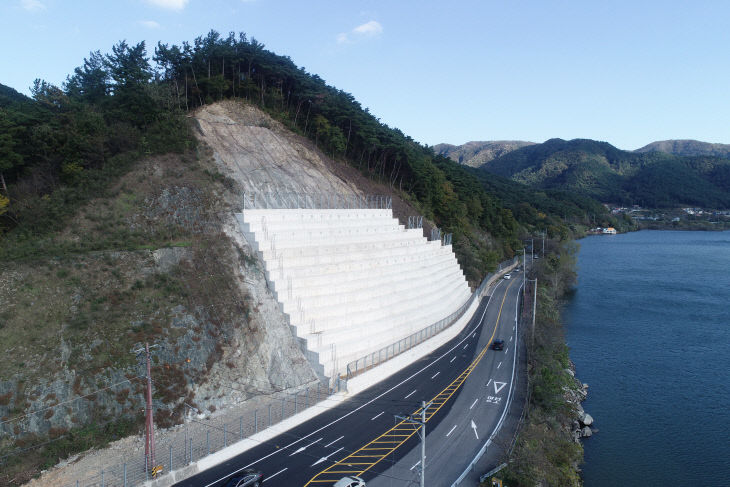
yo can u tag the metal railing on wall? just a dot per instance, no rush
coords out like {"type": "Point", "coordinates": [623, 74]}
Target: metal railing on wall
{"type": "Point", "coordinates": [181, 448]}
{"type": "Point", "coordinates": [314, 201]}
{"type": "Point", "coordinates": [379, 356]}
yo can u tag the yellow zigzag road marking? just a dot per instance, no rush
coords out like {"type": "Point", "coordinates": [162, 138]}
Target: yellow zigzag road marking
{"type": "Point", "coordinates": [394, 436]}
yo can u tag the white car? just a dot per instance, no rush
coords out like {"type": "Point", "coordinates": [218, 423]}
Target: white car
{"type": "Point", "coordinates": [350, 482]}
{"type": "Point", "coordinates": [508, 276]}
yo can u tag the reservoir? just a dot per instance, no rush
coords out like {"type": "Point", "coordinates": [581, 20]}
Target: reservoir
{"type": "Point", "coordinates": [649, 330]}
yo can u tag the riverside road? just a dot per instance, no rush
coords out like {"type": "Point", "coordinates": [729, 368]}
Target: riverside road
{"type": "Point", "coordinates": [470, 388]}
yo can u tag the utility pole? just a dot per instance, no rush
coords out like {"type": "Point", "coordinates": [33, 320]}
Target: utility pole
{"type": "Point", "coordinates": [534, 308]}
{"type": "Point", "coordinates": [149, 445]}
{"type": "Point", "coordinates": [149, 425]}
{"type": "Point", "coordinates": [422, 423]}
{"type": "Point", "coordinates": [543, 245]}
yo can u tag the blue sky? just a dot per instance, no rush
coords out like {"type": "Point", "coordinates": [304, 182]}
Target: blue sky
{"type": "Point", "coordinates": [627, 72]}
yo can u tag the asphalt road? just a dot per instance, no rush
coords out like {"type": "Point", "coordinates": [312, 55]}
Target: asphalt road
{"type": "Point", "coordinates": [468, 384]}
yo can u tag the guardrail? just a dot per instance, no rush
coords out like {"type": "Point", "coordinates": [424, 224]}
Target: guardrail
{"type": "Point", "coordinates": [315, 201]}
{"type": "Point", "coordinates": [379, 356]}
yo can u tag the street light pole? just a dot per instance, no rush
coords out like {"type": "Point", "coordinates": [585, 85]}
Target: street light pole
{"type": "Point", "coordinates": [422, 423]}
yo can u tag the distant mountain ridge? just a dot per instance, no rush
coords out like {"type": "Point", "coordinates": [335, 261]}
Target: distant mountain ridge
{"type": "Point", "coordinates": [600, 170]}
{"type": "Point", "coordinates": [477, 153]}
{"type": "Point", "coordinates": [687, 147]}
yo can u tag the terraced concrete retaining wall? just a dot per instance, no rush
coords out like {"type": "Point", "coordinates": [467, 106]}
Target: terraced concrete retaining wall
{"type": "Point", "coordinates": [352, 281]}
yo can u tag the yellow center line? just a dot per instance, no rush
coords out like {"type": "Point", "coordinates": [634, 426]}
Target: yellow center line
{"type": "Point", "coordinates": [395, 434]}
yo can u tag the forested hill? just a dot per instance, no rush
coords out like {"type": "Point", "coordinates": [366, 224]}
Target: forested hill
{"type": "Point", "coordinates": [600, 170]}
{"type": "Point", "coordinates": [688, 148]}
{"type": "Point", "coordinates": [478, 153]}
{"type": "Point", "coordinates": [63, 146]}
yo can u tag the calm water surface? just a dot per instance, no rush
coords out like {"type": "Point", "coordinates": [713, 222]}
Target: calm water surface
{"type": "Point", "coordinates": [649, 331]}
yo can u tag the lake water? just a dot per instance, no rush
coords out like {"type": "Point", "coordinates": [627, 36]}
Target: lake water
{"type": "Point", "coordinates": [649, 331]}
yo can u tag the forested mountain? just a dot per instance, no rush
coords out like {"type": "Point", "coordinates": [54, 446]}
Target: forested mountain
{"type": "Point", "coordinates": [477, 153]}
{"type": "Point", "coordinates": [600, 170]}
{"type": "Point", "coordinates": [117, 106]}
{"type": "Point", "coordinates": [688, 148]}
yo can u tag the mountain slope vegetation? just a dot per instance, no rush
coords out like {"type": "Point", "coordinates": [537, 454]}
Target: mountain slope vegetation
{"type": "Point", "coordinates": [601, 171]}
{"type": "Point", "coordinates": [687, 148]}
{"type": "Point", "coordinates": [476, 153]}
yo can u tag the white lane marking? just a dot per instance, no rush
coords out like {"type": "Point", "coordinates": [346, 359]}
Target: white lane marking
{"type": "Point", "coordinates": [472, 404]}
{"type": "Point", "coordinates": [452, 359]}
{"type": "Point", "coordinates": [488, 382]}
{"type": "Point", "coordinates": [501, 418]}
{"type": "Point", "coordinates": [499, 365]}
{"type": "Point", "coordinates": [479, 323]}
{"type": "Point", "coordinates": [409, 395]}
{"type": "Point", "coordinates": [376, 417]}
{"type": "Point", "coordinates": [434, 375]}
{"type": "Point", "coordinates": [419, 461]}
{"type": "Point", "coordinates": [325, 458]}
{"type": "Point", "coordinates": [510, 338]}
{"type": "Point", "coordinates": [506, 350]}
{"type": "Point", "coordinates": [499, 387]}
{"type": "Point", "coordinates": [269, 477]}
{"type": "Point", "coordinates": [305, 447]}
{"type": "Point", "coordinates": [451, 430]}
{"type": "Point", "coordinates": [475, 334]}
{"type": "Point", "coordinates": [474, 426]}
{"type": "Point", "coordinates": [330, 444]}
{"type": "Point", "coordinates": [466, 346]}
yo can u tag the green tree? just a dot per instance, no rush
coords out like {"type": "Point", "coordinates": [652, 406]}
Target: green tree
{"type": "Point", "coordinates": [9, 158]}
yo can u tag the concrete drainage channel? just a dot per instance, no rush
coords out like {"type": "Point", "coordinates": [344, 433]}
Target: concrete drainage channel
{"type": "Point", "coordinates": [353, 386]}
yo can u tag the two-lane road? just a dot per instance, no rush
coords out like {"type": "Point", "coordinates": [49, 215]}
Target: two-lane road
{"type": "Point", "coordinates": [467, 383]}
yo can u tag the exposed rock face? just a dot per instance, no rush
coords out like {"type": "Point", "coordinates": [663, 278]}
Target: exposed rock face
{"type": "Point", "coordinates": [261, 155]}
{"type": "Point", "coordinates": [476, 153]}
{"type": "Point", "coordinates": [235, 345]}
{"type": "Point", "coordinates": [581, 425]}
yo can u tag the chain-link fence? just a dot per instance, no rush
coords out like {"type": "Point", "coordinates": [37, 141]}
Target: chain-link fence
{"type": "Point", "coordinates": [315, 201]}
{"type": "Point", "coordinates": [379, 356]}
{"type": "Point", "coordinates": [199, 438]}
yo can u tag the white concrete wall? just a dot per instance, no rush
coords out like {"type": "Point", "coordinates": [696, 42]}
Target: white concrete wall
{"type": "Point", "coordinates": [353, 281]}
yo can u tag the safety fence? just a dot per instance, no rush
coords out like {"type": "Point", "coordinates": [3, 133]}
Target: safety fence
{"type": "Point", "coordinates": [379, 356]}
{"type": "Point", "coordinates": [314, 201]}
{"type": "Point", "coordinates": [199, 438]}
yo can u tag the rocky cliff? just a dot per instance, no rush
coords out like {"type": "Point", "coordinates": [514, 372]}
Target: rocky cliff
{"type": "Point", "coordinates": [75, 321]}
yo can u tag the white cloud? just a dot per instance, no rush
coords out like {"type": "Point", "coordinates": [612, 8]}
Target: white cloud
{"type": "Point", "coordinates": [368, 29]}
{"type": "Point", "coordinates": [150, 24]}
{"type": "Point", "coordinates": [32, 5]}
{"type": "Point", "coordinates": [169, 4]}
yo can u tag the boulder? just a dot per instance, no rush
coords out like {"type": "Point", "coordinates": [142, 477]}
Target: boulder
{"type": "Point", "coordinates": [587, 419]}
{"type": "Point", "coordinates": [586, 432]}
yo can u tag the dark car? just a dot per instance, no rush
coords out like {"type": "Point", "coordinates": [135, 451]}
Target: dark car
{"type": "Point", "coordinates": [498, 345]}
{"type": "Point", "coordinates": [245, 478]}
